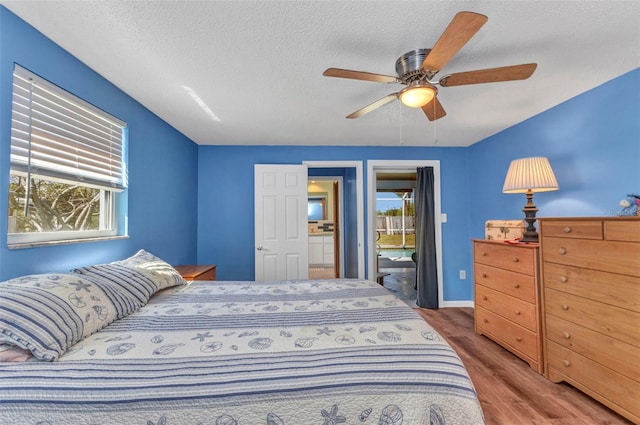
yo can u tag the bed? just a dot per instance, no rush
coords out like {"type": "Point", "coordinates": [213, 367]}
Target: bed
{"type": "Point", "coordinates": [320, 352]}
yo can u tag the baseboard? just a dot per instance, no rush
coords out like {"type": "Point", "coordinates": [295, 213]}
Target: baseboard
{"type": "Point", "coordinates": [446, 304]}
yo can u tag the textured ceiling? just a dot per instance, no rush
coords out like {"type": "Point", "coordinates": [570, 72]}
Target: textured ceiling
{"type": "Point", "coordinates": [250, 72]}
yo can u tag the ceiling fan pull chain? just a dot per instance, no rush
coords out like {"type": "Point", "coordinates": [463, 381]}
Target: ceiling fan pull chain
{"type": "Point", "coordinates": [401, 139]}
{"type": "Point", "coordinates": [435, 126]}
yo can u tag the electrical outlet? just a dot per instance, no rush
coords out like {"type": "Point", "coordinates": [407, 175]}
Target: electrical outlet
{"type": "Point", "coordinates": [463, 274]}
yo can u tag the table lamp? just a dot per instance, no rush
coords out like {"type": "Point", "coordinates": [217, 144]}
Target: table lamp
{"type": "Point", "coordinates": [530, 175]}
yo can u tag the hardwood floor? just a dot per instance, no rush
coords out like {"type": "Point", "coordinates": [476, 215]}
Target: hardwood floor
{"type": "Point", "coordinates": [511, 393]}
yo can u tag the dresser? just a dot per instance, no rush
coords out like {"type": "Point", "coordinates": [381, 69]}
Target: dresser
{"type": "Point", "coordinates": [507, 297]}
{"type": "Point", "coordinates": [591, 290]}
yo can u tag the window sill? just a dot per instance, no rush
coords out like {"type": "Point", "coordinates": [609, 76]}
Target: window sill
{"type": "Point", "coordinates": [65, 242]}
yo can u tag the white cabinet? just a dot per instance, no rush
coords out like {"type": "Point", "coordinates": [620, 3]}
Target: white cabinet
{"type": "Point", "coordinates": [327, 250]}
{"type": "Point", "coordinates": [316, 254]}
{"type": "Point", "coordinates": [321, 250]}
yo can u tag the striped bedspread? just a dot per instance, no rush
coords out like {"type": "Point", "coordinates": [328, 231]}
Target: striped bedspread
{"type": "Point", "coordinates": [250, 353]}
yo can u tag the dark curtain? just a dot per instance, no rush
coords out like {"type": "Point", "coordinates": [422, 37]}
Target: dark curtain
{"type": "Point", "coordinates": [426, 264]}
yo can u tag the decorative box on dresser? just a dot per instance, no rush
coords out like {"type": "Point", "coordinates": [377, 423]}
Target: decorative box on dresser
{"type": "Point", "coordinates": [507, 297]}
{"type": "Point", "coordinates": [591, 289]}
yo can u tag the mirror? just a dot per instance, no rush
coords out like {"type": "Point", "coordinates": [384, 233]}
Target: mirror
{"type": "Point", "coordinates": [317, 208]}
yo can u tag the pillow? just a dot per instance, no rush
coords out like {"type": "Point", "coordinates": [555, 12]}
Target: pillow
{"type": "Point", "coordinates": [48, 313]}
{"type": "Point", "coordinates": [131, 282]}
{"type": "Point", "coordinates": [11, 353]}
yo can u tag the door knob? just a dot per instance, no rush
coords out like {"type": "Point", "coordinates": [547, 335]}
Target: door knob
{"type": "Point", "coordinates": [259, 247]}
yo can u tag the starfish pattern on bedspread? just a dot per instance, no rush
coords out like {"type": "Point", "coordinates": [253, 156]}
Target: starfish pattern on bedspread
{"type": "Point", "coordinates": [332, 418]}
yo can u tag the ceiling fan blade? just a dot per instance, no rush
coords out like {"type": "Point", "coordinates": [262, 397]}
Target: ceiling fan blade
{"type": "Point", "coordinates": [462, 27]}
{"type": "Point", "coordinates": [434, 110]}
{"type": "Point", "coordinates": [492, 75]}
{"type": "Point", "coordinates": [375, 105]}
{"type": "Point", "coordinates": [359, 75]}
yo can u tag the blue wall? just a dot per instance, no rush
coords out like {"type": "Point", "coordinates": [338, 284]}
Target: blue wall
{"type": "Point", "coordinates": [225, 204]}
{"type": "Point", "coordinates": [162, 193]}
{"type": "Point", "coordinates": [592, 142]}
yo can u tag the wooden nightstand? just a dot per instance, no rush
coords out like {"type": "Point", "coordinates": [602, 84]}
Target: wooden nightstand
{"type": "Point", "coordinates": [197, 272]}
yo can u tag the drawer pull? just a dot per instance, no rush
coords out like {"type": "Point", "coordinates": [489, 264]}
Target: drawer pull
{"type": "Point", "coordinates": [562, 251]}
{"type": "Point", "coordinates": [517, 312]}
{"type": "Point", "coordinates": [484, 275]}
{"type": "Point", "coordinates": [516, 285]}
{"type": "Point", "coordinates": [518, 338]}
{"type": "Point", "coordinates": [485, 320]}
{"type": "Point", "coordinates": [566, 335]}
{"type": "Point", "coordinates": [567, 229]}
{"type": "Point", "coordinates": [566, 363]}
{"type": "Point", "coordinates": [484, 297]}
{"type": "Point", "coordinates": [563, 279]}
{"type": "Point", "coordinates": [564, 307]}
{"type": "Point", "coordinates": [516, 259]}
{"type": "Point", "coordinates": [484, 254]}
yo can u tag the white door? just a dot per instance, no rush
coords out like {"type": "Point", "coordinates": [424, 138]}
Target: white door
{"type": "Point", "coordinates": [281, 229]}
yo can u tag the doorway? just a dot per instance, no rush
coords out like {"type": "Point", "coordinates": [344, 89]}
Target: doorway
{"type": "Point", "coordinates": [400, 167]}
{"type": "Point", "coordinates": [395, 233]}
{"type": "Point", "coordinates": [325, 217]}
{"type": "Point", "coordinates": [352, 200]}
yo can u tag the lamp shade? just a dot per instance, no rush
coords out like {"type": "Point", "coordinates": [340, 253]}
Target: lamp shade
{"type": "Point", "coordinates": [533, 174]}
{"type": "Point", "coordinates": [417, 95]}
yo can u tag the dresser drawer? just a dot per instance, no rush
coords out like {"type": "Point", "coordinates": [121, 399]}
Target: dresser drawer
{"type": "Point", "coordinates": [576, 229]}
{"type": "Point", "coordinates": [522, 286]}
{"type": "Point", "coordinates": [614, 289]}
{"type": "Point", "coordinates": [612, 256]}
{"type": "Point", "coordinates": [503, 330]}
{"type": "Point", "coordinates": [605, 319]}
{"type": "Point", "coordinates": [514, 309]}
{"type": "Point", "coordinates": [602, 383]}
{"type": "Point", "coordinates": [622, 230]}
{"type": "Point", "coordinates": [617, 355]}
{"type": "Point", "coordinates": [501, 255]}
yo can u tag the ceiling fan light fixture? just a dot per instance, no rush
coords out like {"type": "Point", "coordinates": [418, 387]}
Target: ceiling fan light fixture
{"type": "Point", "coordinates": [417, 95]}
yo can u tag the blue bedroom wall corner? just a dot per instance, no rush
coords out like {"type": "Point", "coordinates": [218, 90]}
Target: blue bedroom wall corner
{"type": "Point", "coordinates": [592, 142]}
{"type": "Point", "coordinates": [162, 175]}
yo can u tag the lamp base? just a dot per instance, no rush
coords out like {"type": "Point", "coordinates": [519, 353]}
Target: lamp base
{"type": "Point", "coordinates": [529, 237]}
{"type": "Point", "coordinates": [530, 210]}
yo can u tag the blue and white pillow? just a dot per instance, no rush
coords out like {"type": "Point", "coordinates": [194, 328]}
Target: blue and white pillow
{"type": "Point", "coordinates": [48, 313]}
{"type": "Point", "coordinates": [131, 282]}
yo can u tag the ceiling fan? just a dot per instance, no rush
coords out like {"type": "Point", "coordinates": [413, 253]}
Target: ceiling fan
{"type": "Point", "coordinates": [416, 69]}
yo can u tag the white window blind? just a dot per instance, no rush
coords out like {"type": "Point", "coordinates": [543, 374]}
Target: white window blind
{"type": "Point", "coordinates": [57, 135]}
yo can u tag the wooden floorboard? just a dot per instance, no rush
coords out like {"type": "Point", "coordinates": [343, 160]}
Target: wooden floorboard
{"type": "Point", "coordinates": [510, 392]}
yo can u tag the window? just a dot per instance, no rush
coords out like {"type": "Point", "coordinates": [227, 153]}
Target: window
{"type": "Point", "coordinates": [67, 165]}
